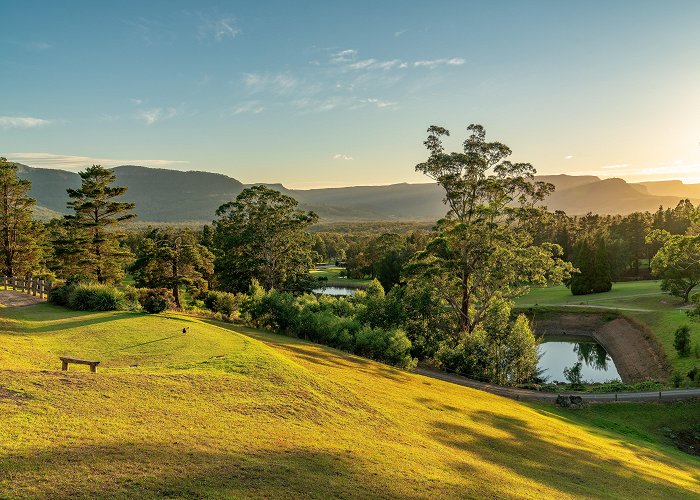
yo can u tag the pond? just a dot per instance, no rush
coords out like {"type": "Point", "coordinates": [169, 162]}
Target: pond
{"type": "Point", "coordinates": [337, 291]}
{"type": "Point", "coordinates": [559, 352]}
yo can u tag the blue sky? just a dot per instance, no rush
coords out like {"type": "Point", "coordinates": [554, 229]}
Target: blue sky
{"type": "Point", "coordinates": [340, 93]}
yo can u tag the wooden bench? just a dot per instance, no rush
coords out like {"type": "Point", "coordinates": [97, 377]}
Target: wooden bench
{"type": "Point", "coordinates": [65, 361]}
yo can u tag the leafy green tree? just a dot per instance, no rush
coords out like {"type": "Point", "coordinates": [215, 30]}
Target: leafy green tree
{"type": "Point", "coordinates": [91, 240]}
{"type": "Point", "coordinates": [484, 253]}
{"type": "Point", "coordinates": [262, 235]}
{"type": "Point", "coordinates": [173, 258]}
{"type": "Point", "coordinates": [20, 235]}
{"type": "Point", "coordinates": [677, 262]}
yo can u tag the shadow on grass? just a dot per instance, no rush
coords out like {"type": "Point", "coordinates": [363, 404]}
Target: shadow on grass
{"type": "Point", "coordinates": [319, 354]}
{"type": "Point", "coordinates": [135, 470]}
{"type": "Point", "coordinates": [573, 470]}
{"type": "Point", "coordinates": [50, 318]}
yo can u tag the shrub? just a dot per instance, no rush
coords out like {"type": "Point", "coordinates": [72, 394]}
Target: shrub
{"type": "Point", "coordinates": [95, 297]}
{"type": "Point", "coordinates": [573, 374]}
{"type": "Point", "coordinates": [222, 302]}
{"type": "Point", "coordinates": [677, 379]}
{"type": "Point", "coordinates": [681, 340]}
{"type": "Point", "coordinates": [59, 293]}
{"type": "Point", "coordinates": [694, 374]}
{"type": "Point", "coordinates": [156, 300]}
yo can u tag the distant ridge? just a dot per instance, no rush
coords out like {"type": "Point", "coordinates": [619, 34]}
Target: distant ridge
{"type": "Point", "coordinates": [170, 196]}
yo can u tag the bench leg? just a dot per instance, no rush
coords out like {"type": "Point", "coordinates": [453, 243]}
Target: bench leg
{"type": "Point", "coordinates": [64, 365]}
{"type": "Point", "coordinates": [93, 368]}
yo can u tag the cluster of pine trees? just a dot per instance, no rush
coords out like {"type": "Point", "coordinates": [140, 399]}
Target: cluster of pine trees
{"type": "Point", "coordinates": [591, 259]}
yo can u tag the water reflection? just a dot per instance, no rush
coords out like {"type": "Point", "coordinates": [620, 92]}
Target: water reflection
{"type": "Point", "coordinates": [592, 354]}
{"type": "Point", "coordinates": [558, 353]}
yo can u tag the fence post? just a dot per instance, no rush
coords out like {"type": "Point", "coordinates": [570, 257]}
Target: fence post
{"type": "Point", "coordinates": [41, 288]}
{"type": "Point", "coordinates": [4, 281]}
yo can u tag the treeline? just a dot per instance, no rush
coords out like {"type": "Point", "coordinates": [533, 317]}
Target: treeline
{"type": "Point", "coordinates": [443, 294]}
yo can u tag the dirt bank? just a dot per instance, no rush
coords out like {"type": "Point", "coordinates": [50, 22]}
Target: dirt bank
{"type": "Point", "coordinates": [636, 354]}
{"type": "Point", "coordinates": [9, 298]}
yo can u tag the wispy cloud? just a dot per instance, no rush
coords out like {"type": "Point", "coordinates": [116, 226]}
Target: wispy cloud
{"type": "Point", "coordinates": [153, 115]}
{"type": "Point", "coordinates": [341, 156]}
{"type": "Point", "coordinates": [568, 157]}
{"type": "Point", "coordinates": [378, 102]}
{"type": "Point", "coordinates": [151, 32]}
{"type": "Point", "coordinates": [397, 34]}
{"type": "Point", "coordinates": [39, 46]}
{"type": "Point", "coordinates": [7, 122]}
{"type": "Point", "coordinates": [375, 64]}
{"type": "Point", "coordinates": [344, 55]}
{"type": "Point", "coordinates": [73, 162]}
{"type": "Point", "coordinates": [277, 83]}
{"type": "Point", "coordinates": [217, 28]}
{"type": "Point", "coordinates": [252, 107]}
{"type": "Point", "coordinates": [434, 63]}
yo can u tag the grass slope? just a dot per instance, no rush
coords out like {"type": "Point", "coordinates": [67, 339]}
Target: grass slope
{"type": "Point", "coordinates": [230, 412]}
{"type": "Point", "coordinates": [641, 300]}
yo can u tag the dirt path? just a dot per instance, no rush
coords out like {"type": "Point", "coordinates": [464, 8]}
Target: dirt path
{"type": "Point", "coordinates": [607, 308]}
{"type": "Point", "coordinates": [636, 355]}
{"type": "Point", "coordinates": [10, 298]}
{"type": "Point", "coordinates": [527, 395]}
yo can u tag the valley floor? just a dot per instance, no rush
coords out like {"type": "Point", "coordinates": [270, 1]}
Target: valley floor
{"type": "Point", "coordinates": [225, 411]}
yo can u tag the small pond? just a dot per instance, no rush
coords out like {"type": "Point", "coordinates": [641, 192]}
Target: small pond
{"type": "Point", "coordinates": [335, 290]}
{"type": "Point", "coordinates": [559, 352]}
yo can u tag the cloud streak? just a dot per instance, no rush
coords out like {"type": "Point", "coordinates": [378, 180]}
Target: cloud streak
{"type": "Point", "coordinates": [151, 116]}
{"type": "Point", "coordinates": [74, 162]}
{"type": "Point", "coordinates": [8, 122]}
{"type": "Point", "coordinates": [341, 156]}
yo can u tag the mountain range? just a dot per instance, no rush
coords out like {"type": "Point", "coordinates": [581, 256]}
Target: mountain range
{"type": "Point", "coordinates": [171, 196]}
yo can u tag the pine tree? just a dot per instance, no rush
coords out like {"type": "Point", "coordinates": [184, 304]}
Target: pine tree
{"type": "Point", "coordinates": [602, 280]}
{"type": "Point", "coordinates": [91, 242]}
{"type": "Point", "coordinates": [20, 249]}
{"type": "Point", "coordinates": [581, 283]}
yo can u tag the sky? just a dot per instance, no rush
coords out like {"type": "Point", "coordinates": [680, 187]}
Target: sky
{"type": "Point", "coordinates": [328, 93]}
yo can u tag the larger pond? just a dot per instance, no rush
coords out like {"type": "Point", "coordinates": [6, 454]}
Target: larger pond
{"type": "Point", "coordinates": [565, 351]}
{"type": "Point", "coordinates": [337, 291]}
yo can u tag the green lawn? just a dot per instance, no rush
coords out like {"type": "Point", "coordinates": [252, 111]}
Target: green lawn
{"type": "Point", "coordinates": [658, 424]}
{"type": "Point", "coordinates": [663, 315]}
{"type": "Point", "coordinates": [225, 411]}
{"type": "Point", "coordinates": [334, 278]}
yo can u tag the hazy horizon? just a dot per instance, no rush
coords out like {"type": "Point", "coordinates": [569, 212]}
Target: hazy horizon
{"type": "Point", "coordinates": [339, 95]}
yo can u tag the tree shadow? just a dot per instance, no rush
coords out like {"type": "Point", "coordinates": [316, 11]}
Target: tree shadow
{"type": "Point", "coordinates": [554, 464]}
{"type": "Point", "coordinates": [136, 470]}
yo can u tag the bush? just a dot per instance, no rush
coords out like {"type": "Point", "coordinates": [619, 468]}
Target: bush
{"type": "Point", "coordinates": [58, 294]}
{"type": "Point", "coordinates": [156, 300]}
{"type": "Point", "coordinates": [677, 379]}
{"type": "Point", "coordinates": [222, 302]}
{"type": "Point", "coordinates": [95, 297]}
{"type": "Point", "coordinates": [681, 340]}
{"type": "Point", "coordinates": [573, 374]}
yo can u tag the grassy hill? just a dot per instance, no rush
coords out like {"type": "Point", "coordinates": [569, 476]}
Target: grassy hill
{"type": "Point", "coordinates": [224, 411]}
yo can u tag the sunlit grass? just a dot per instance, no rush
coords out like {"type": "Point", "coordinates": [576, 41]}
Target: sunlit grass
{"type": "Point", "coordinates": [228, 411]}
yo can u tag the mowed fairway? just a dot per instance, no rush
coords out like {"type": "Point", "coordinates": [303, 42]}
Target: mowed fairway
{"type": "Point", "coordinates": [223, 411]}
{"type": "Point", "coordinates": [641, 300]}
